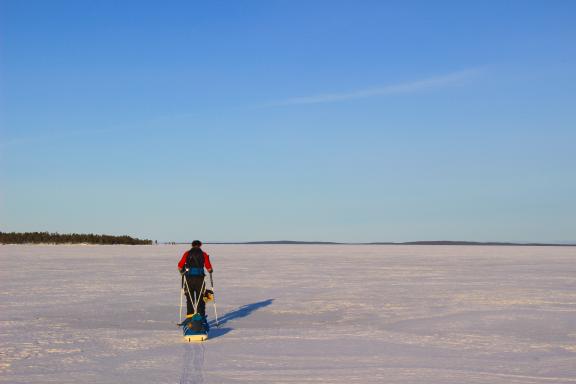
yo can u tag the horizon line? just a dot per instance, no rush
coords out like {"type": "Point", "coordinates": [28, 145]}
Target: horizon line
{"type": "Point", "coordinates": [417, 242]}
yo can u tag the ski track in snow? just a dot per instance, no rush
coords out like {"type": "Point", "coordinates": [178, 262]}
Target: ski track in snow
{"type": "Point", "coordinates": [291, 314]}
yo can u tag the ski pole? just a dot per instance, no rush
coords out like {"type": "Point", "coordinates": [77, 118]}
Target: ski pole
{"type": "Point", "coordinates": [181, 296]}
{"type": "Point", "coordinates": [214, 301]}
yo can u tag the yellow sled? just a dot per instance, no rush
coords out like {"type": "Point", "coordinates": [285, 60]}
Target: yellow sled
{"type": "Point", "coordinates": [195, 338]}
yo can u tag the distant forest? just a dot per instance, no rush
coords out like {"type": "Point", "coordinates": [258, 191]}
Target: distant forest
{"type": "Point", "coordinates": [73, 238]}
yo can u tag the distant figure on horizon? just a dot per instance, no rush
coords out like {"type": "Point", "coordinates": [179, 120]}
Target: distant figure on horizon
{"type": "Point", "coordinates": [191, 267]}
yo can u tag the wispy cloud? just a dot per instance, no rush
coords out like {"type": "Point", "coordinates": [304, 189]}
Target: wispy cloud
{"type": "Point", "coordinates": [448, 80]}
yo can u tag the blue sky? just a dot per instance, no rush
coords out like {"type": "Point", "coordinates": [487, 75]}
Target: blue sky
{"type": "Point", "coordinates": [309, 120]}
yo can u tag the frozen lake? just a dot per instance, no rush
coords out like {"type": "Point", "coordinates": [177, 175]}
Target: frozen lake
{"type": "Point", "coordinates": [291, 314]}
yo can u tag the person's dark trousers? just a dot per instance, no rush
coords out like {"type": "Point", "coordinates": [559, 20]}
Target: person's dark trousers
{"type": "Point", "coordinates": [195, 286]}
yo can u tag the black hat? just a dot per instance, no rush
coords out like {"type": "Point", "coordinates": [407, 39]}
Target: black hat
{"type": "Point", "coordinates": [196, 243]}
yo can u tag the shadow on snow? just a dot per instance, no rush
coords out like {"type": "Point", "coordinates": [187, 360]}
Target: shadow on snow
{"type": "Point", "coordinates": [193, 360]}
{"type": "Point", "coordinates": [241, 312]}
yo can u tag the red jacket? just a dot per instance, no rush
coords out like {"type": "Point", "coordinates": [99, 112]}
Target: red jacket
{"type": "Point", "coordinates": [207, 264]}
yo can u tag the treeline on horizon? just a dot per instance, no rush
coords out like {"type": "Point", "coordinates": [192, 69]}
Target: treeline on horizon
{"type": "Point", "coordinates": [71, 238]}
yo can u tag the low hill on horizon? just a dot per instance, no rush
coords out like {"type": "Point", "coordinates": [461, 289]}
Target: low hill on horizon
{"type": "Point", "coordinates": [71, 238]}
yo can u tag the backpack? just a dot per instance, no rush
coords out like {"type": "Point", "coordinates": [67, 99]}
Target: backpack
{"type": "Point", "coordinates": [195, 262]}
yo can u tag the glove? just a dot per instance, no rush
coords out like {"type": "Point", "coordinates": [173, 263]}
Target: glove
{"type": "Point", "coordinates": [182, 271]}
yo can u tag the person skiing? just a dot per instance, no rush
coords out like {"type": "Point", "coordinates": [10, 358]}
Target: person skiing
{"type": "Point", "coordinates": [191, 267]}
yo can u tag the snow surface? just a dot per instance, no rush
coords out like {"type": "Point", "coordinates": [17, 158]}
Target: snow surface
{"type": "Point", "coordinates": [291, 314]}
